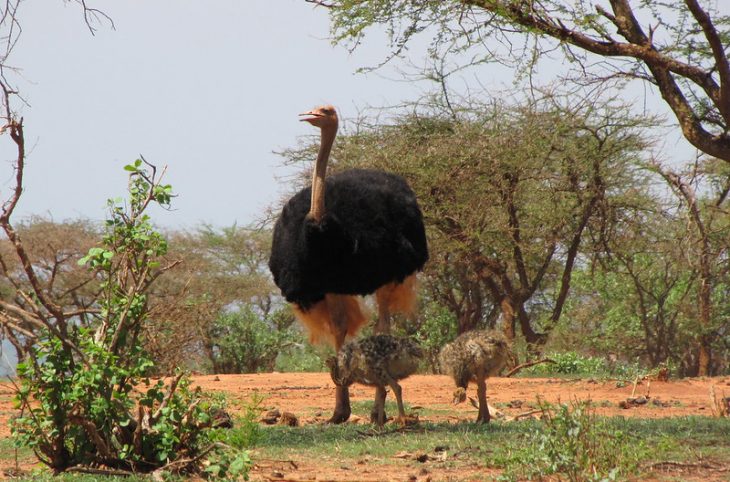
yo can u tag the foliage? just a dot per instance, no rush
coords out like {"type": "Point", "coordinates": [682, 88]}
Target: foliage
{"type": "Point", "coordinates": [246, 342]}
{"type": "Point", "coordinates": [572, 442]}
{"type": "Point", "coordinates": [436, 328]}
{"type": "Point", "coordinates": [85, 398]}
{"type": "Point", "coordinates": [303, 356]}
{"type": "Point", "coordinates": [248, 431]}
{"type": "Point", "coordinates": [235, 462]}
{"type": "Point", "coordinates": [223, 270]}
{"type": "Point", "coordinates": [575, 364]}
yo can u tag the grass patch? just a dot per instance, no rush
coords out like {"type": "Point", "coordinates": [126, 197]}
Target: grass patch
{"type": "Point", "coordinates": [632, 444]}
{"type": "Point", "coordinates": [353, 441]}
{"type": "Point", "coordinates": [362, 408]}
{"type": "Point", "coordinates": [508, 447]}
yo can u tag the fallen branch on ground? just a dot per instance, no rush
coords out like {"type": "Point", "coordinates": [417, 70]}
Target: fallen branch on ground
{"type": "Point", "coordinates": [527, 365]}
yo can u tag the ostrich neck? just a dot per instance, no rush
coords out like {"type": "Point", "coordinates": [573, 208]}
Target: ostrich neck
{"type": "Point", "coordinates": [316, 210]}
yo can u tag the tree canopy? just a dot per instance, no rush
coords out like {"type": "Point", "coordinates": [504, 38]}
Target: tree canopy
{"type": "Point", "coordinates": [680, 48]}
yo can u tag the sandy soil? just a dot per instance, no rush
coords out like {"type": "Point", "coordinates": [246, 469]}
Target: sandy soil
{"type": "Point", "coordinates": [306, 394]}
{"type": "Point", "coordinates": [310, 396]}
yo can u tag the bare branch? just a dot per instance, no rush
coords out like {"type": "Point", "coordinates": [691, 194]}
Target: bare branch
{"type": "Point", "coordinates": [527, 365]}
{"type": "Point", "coordinates": [92, 15]}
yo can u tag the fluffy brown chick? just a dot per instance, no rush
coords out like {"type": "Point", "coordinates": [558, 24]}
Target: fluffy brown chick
{"type": "Point", "coordinates": [377, 360]}
{"type": "Point", "coordinates": [474, 356]}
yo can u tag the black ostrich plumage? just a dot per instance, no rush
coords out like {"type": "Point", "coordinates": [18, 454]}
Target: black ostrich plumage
{"type": "Point", "coordinates": [371, 234]}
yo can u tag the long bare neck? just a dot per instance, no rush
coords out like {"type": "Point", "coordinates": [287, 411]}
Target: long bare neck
{"type": "Point", "coordinates": [316, 210]}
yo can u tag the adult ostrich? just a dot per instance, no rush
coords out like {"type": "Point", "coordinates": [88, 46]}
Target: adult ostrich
{"type": "Point", "coordinates": [349, 235]}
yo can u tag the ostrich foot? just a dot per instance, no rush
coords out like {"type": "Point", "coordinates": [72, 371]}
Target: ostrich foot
{"type": "Point", "coordinates": [407, 420]}
{"type": "Point", "coordinates": [482, 418]}
{"type": "Point", "coordinates": [374, 417]}
{"type": "Point", "coordinates": [342, 406]}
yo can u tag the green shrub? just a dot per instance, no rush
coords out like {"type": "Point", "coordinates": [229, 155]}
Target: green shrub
{"type": "Point", "coordinates": [437, 328]}
{"type": "Point", "coordinates": [575, 364]}
{"type": "Point", "coordinates": [245, 342]}
{"type": "Point", "coordinates": [572, 442]}
{"type": "Point", "coordinates": [302, 356]}
{"type": "Point", "coordinates": [85, 396]}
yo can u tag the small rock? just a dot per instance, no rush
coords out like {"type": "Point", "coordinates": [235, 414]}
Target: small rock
{"type": "Point", "coordinates": [423, 458]}
{"type": "Point", "coordinates": [441, 448]}
{"type": "Point", "coordinates": [277, 475]}
{"type": "Point", "coordinates": [271, 417]}
{"type": "Point", "coordinates": [289, 419]}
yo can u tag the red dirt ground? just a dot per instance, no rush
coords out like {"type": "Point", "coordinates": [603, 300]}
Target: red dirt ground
{"type": "Point", "coordinates": [310, 396]}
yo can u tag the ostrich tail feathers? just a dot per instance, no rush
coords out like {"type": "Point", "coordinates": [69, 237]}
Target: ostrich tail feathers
{"type": "Point", "coordinates": [399, 297]}
{"type": "Point", "coordinates": [321, 324]}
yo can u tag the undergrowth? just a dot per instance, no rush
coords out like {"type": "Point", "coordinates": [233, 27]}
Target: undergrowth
{"type": "Point", "coordinates": [571, 442]}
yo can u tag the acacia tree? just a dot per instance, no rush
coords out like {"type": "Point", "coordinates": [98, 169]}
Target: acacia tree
{"type": "Point", "coordinates": [680, 47]}
{"type": "Point", "coordinates": [708, 247]}
{"type": "Point", "coordinates": [223, 270]}
{"type": "Point", "coordinates": [635, 300]}
{"type": "Point", "coordinates": [509, 194]}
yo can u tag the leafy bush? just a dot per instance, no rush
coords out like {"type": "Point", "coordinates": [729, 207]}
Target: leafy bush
{"type": "Point", "coordinates": [302, 356]}
{"type": "Point", "coordinates": [437, 328]}
{"type": "Point", "coordinates": [245, 342]}
{"type": "Point", "coordinates": [572, 363]}
{"type": "Point", "coordinates": [572, 442]}
{"type": "Point", "coordinates": [84, 394]}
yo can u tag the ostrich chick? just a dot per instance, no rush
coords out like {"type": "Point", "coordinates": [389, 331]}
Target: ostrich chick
{"type": "Point", "coordinates": [377, 360]}
{"type": "Point", "coordinates": [474, 356]}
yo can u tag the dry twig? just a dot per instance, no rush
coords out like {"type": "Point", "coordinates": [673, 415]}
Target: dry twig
{"type": "Point", "coordinates": [527, 365]}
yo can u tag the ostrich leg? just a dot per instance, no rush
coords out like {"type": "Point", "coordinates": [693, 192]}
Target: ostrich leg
{"type": "Point", "coordinates": [377, 416]}
{"type": "Point", "coordinates": [482, 395]}
{"type": "Point", "coordinates": [338, 315]}
{"type": "Point", "coordinates": [398, 392]}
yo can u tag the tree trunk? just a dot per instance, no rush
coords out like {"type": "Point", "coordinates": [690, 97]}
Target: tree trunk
{"type": "Point", "coordinates": [704, 359]}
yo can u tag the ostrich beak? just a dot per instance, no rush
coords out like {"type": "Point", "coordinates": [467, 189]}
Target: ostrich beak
{"type": "Point", "coordinates": [313, 115]}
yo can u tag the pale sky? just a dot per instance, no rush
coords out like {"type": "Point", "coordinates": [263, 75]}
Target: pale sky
{"type": "Point", "coordinates": [209, 88]}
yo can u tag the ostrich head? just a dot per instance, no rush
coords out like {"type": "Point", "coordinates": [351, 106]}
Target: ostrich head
{"type": "Point", "coordinates": [459, 396]}
{"type": "Point", "coordinates": [324, 117]}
